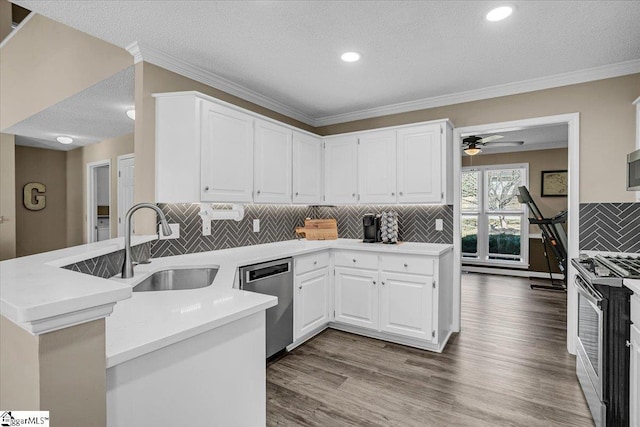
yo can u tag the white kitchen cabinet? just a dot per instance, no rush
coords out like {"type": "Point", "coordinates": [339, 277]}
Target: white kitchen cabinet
{"type": "Point", "coordinates": [634, 372]}
{"type": "Point", "coordinates": [272, 163]}
{"type": "Point", "coordinates": [226, 154]}
{"type": "Point", "coordinates": [356, 297]}
{"type": "Point", "coordinates": [311, 301]}
{"type": "Point", "coordinates": [307, 169]}
{"type": "Point", "coordinates": [406, 305]}
{"type": "Point", "coordinates": [420, 164]}
{"type": "Point", "coordinates": [341, 170]}
{"type": "Point", "coordinates": [377, 167]}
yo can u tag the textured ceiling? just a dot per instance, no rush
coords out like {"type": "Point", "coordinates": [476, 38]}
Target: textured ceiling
{"type": "Point", "coordinates": [290, 51]}
{"type": "Point", "coordinates": [93, 115]}
{"type": "Point", "coordinates": [535, 138]}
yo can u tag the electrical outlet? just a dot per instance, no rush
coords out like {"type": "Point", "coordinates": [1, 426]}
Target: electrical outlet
{"type": "Point", "coordinates": [206, 228]}
{"type": "Point", "coordinates": [175, 232]}
{"type": "Point", "coordinates": [439, 224]}
{"type": "Point", "coordinates": [256, 225]}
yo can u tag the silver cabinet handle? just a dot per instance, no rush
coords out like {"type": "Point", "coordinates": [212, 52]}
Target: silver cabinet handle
{"type": "Point", "coordinates": [393, 194]}
{"type": "Point", "coordinates": [206, 188]}
{"type": "Point", "coordinates": [628, 344]}
{"type": "Point", "coordinates": [353, 194]}
{"type": "Point", "coordinates": [406, 265]}
{"type": "Point", "coordinates": [400, 193]}
{"type": "Point", "coordinates": [374, 282]}
{"type": "Point", "coordinates": [300, 287]}
{"type": "Point", "coordinates": [296, 193]}
{"type": "Point", "coordinates": [258, 192]}
{"type": "Point", "coordinates": [315, 262]}
{"type": "Point", "coordinates": [382, 282]}
{"type": "Point", "coordinates": [354, 260]}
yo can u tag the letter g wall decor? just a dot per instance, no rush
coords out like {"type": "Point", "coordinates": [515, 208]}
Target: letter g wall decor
{"type": "Point", "coordinates": [34, 198]}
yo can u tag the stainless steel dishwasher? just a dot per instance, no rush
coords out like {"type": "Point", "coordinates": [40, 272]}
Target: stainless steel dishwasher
{"type": "Point", "coordinates": [273, 278]}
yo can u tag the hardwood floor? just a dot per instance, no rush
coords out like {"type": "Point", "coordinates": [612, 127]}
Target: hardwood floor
{"type": "Point", "coordinates": [508, 367]}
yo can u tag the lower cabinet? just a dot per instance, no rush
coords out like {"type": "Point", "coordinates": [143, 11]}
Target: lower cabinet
{"type": "Point", "coordinates": [634, 383]}
{"type": "Point", "coordinates": [356, 297]}
{"type": "Point", "coordinates": [406, 305]}
{"type": "Point", "coordinates": [311, 301]}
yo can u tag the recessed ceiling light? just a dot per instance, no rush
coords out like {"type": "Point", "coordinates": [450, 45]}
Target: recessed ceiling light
{"type": "Point", "coordinates": [131, 114]}
{"type": "Point", "coordinates": [499, 13]}
{"type": "Point", "coordinates": [64, 139]}
{"type": "Point", "coordinates": [350, 56]}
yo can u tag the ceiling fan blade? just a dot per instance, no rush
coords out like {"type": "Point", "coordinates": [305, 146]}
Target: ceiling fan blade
{"type": "Point", "coordinates": [504, 143]}
{"type": "Point", "coordinates": [490, 138]}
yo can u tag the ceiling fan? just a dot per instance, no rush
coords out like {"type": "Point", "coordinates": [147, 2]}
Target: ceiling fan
{"type": "Point", "coordinates": [472, 145]}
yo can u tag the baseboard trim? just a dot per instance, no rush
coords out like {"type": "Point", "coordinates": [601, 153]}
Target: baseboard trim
{"type": "Point", "coordinates": [505, 272]}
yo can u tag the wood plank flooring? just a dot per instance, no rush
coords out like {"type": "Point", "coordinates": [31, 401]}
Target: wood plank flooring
{"type": "Point", "coordinates": [508, 367]}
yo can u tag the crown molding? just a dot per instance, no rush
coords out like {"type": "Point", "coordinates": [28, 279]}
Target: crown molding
{"type": "Point", "coordinates": [142, 52]}
{"type": "Point", "coordinates": [557, 80]}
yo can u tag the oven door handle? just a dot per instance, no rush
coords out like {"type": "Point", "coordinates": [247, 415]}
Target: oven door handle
{"type": "Point", "coordinates": [589, 292]}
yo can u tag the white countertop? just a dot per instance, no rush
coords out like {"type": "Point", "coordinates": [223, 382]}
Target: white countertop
{"type": "Point", "coordinates": [34, 290]}
{"type": "Point", "coordinates": [633, 284]}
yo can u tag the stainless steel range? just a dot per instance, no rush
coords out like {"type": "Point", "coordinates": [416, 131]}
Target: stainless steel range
{"type": "Point", "coordinates": [604, 324]}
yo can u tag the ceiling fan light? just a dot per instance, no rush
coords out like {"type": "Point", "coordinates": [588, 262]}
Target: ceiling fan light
{"type": "Point", "coordinates": [472, 151]}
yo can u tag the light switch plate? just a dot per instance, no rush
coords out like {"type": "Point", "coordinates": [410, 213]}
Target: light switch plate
{"type": "Point", "coordinates": [439, 224]}
{"type": "Point", "coordinates": [206, 227]}
{"type": "Point", "coordinates": [256, 225]}
{"type": "Point", "coordinates": [175, 232]}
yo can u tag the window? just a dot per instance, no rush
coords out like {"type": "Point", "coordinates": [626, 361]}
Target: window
{"type": "Point", "coordinates": [494, 224]}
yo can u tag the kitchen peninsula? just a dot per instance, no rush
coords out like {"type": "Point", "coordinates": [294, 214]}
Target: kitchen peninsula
{"type": "Point", "coordinates": [190, 345]}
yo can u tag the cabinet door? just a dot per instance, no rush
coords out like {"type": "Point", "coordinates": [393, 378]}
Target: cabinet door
{"type": "Point", "coordinates": [420, 164]}
{"type": "Point", "coordinates": [377, 167]}
{"type": "Point", "coordinates": [356, 297]}
{"type": "Point", "coordinates": [634, 383]}
{"type": "Point", "coordinates": [307, 169]}
{"type": "Point", "coordinates": [311, 303]}
{"type": "Point", "coordinates": [341, 170]}
{"type": "Point", "coordinates": [272, 167]}
{"type": "Point", "coordinates": [226, 154]}
{"type": "Point", "coordinates": [406, 305]}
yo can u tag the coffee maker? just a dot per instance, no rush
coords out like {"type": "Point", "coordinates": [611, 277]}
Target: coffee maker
{"type": "Point", "coordinates": [371, 228]}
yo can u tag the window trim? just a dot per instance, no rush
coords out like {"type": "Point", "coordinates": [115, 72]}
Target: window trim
{"type": "Point", "coordinates": [483, 213]}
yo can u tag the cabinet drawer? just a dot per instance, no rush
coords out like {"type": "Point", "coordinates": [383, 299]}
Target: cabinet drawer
{"type": "Point", "coordinates": [356, 260]}
{"type": "Point", "coordinates": [306, 263]}
{"type": "Point", "coordinates": [407, 264]}
{"type": "Point", "coordinates": [635, 309]}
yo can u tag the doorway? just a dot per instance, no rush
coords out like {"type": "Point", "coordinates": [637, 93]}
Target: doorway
{"type": "Point", "coordinates": [99, 201]}
{"type": "Point", "coordinates": [572, 122]}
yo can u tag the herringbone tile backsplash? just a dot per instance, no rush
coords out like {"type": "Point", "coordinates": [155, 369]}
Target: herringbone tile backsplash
{"type": "Point", "coordinates": [416, 223]}
{"type": "Point", "coordinates": [613, 227]}
{"type": "Point", "coordinates": [278, 222]}
{"type": "Point", "coordinates": [110, 265]}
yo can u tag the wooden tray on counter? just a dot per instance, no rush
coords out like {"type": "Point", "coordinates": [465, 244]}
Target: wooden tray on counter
{"type": "Point", "coordinates": [319, 229]}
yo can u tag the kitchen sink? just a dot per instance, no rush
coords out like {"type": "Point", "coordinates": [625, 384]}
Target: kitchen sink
{"type": "Point", "coordinates": [177, 279]}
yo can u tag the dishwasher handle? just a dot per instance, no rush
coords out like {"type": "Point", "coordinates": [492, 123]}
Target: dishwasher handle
{"type": "Point", "coordinates": [261, 272]}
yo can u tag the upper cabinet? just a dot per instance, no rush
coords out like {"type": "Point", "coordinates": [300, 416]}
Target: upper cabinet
{"type": "Point", "coordinates": [211, 151]}
{"type": "Point", "coordinates": [341, 170]}
{"type": "Point", "coordinates": [420, 164]}
{"type": "Point", "coordinates": [226, 154]}
{"type": "Point", "coordinates": [272, 170]}
{"type": "Point", "coordinates": [307, 169]}
{"type": "Point", "coordinates": [377, 167]}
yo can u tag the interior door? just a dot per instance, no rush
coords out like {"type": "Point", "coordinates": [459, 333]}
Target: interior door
{"type": "Point", "coordinates": [356, 297]}
{"type": "Point", "coordinates": [126, 174]}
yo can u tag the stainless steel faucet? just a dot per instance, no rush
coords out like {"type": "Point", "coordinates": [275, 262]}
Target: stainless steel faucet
{"type": "Point", "coordinates": [127, 267]}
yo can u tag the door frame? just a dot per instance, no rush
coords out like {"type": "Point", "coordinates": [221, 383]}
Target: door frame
{"type": "Point", "coordinates": [572, 120]}
{"type": "Point", "coordinates": [92, 195]}
{"type": "Point", "coordinates": [120, 226]}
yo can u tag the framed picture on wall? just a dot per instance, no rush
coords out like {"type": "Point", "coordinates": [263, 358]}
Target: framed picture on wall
{"type": "Point", "coordinates": [554, 183]}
